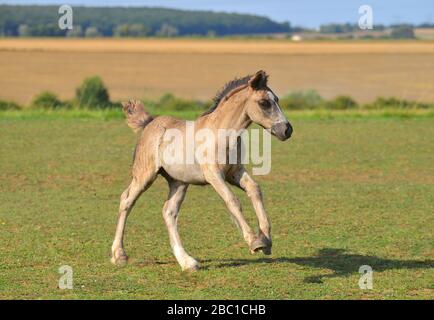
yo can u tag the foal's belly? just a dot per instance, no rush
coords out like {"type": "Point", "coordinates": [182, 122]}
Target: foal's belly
{"type": "Point", "coordinates": [188, 173]}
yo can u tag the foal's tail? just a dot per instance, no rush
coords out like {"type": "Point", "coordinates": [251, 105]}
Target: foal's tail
{"type": "Point", "coordinates": [137, 116]}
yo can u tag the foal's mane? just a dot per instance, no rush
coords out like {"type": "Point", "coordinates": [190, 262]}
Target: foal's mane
{"type": "Point", "coordinates": [227, 88]}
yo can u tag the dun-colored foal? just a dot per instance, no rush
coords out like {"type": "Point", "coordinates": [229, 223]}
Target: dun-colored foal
{"type": "Point", "coordinates": [240, 103]}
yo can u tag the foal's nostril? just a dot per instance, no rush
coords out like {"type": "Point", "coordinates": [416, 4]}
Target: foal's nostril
{"type": "Point", "coordinates": [282, 130]}
{"type": "Point", "coordinates": [288, 131]}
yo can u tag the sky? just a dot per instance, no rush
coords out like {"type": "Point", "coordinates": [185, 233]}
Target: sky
{"type": "Point", "coordinates": [308, 13]}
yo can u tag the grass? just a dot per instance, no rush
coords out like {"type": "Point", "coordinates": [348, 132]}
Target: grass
{"type": "Point", "coordinates": [343, 192]}
{"type": "Point", "coordinates": [29, 114]}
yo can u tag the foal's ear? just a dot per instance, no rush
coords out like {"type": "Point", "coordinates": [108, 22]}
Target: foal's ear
{"type": "Point", "coordinates": [259, 80]}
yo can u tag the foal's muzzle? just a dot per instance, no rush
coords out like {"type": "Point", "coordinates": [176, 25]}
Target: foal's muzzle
{"type": "Point", "coordinates": [282, 130]}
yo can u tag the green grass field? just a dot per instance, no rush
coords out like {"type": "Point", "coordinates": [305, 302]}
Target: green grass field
{"type": "Point", "coordinates": [343, 192]}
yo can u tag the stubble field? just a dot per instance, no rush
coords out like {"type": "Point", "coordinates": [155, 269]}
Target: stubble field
{"type": "Point", "coordinates": [197, 68]}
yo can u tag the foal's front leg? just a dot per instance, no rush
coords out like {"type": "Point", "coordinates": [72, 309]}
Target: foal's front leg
{"type": "Point", "coordinates": [170, 213]}
{"type": "Point", "coordinates": [215, 178]}
{"type": "Point", "coordinates": [243, 180]}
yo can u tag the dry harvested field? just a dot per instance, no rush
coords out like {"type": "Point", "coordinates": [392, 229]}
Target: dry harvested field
{"type": "Point", "coordinates": [424, 33]}
{"type": "Point", "coordinates": [197, 68]}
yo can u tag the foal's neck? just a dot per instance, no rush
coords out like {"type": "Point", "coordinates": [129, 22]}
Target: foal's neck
{"type": "Point", "coordinates": [230, 114]}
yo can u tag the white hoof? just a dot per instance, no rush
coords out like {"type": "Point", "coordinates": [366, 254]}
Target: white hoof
{"type": "Point", "coordinates": [119, 257]}
{"type": "Point", "coordinates": [190, 264]}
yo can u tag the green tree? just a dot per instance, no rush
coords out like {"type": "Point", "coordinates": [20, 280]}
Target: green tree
{"type": "Point", "coordinates": [130, 30]}
{"type": "Point", "coordinates": [46, 100]}
{"type": "Point", "coordinates": [167, 30]}
{"type": "Point", "coordinates": [298, 100]}
{"type": "Point", "coordinates": [76, 31]}
{"type": "Point", "coordinates": [92, 94]}
{"type": "Point", "coordinates": [341, 103]}
{"type": "Point", "coordinates": [23, 30]}
{"type": "Point", "coordinates": [92, 32]}
{"type": "Point", "coordinates": [138, 30]}
{"type": "Point", "coordinates": [9, 105]}
{"type": "Point", "coordinates": [402, 32]}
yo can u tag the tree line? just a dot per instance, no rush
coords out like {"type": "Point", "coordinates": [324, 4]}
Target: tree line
{"type": "Point", "coordinates": [28, 21]}
{"type": "Point", "coordinates": [42, 21]}
{"type": "Point", "coordinates": [397, 31]}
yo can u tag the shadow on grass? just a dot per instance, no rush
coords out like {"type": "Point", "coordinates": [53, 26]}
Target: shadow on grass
{"type": "Point", "coordinates": [337, 260]}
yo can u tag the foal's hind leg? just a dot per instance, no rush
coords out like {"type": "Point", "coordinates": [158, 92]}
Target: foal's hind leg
{"type": "Point", "coordinates": [170, 213]}
{"type": "Point", "coordinates": [128, 199]}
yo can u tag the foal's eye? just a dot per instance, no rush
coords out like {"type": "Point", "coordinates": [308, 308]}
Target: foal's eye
{"type": "Point", "coordinates": [265, 104]}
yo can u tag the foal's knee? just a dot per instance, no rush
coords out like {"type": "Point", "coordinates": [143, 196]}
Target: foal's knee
{"type": "Point", "coordinates": [126, 203]}
{"type": "Point", "coordinates": [254, 190]}
{"type": "Point", "coordinates": [233, 203]}
{"type": "Point", "coordinates": [128, 199]}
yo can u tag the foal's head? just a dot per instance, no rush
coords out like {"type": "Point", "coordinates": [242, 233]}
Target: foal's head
{"type": "Point", "coordinates": [262, 107]}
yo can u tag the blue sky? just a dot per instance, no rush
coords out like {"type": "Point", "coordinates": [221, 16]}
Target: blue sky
{"type": "Point", "coordinates": [310, 13]}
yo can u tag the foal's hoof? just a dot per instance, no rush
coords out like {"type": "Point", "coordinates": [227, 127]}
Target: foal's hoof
{"type": "Point", "coordinates": [119, 258]}
{"type": "Point", "coordinates": [191, 265]}
{"type": "Point", "coordinates": [266, 251]}
{"type": "Point", "coordinates": [261, 243]}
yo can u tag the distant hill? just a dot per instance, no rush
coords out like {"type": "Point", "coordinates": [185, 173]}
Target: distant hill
{"type": "Point", "coordinates": [134, 22]}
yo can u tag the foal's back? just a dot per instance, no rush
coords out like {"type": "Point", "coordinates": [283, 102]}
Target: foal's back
{"type": "Point", "coordinates": [153, 150]}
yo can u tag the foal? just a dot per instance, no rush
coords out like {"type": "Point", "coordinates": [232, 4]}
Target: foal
{"type": "Point", "coordinates": [240, 103]}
